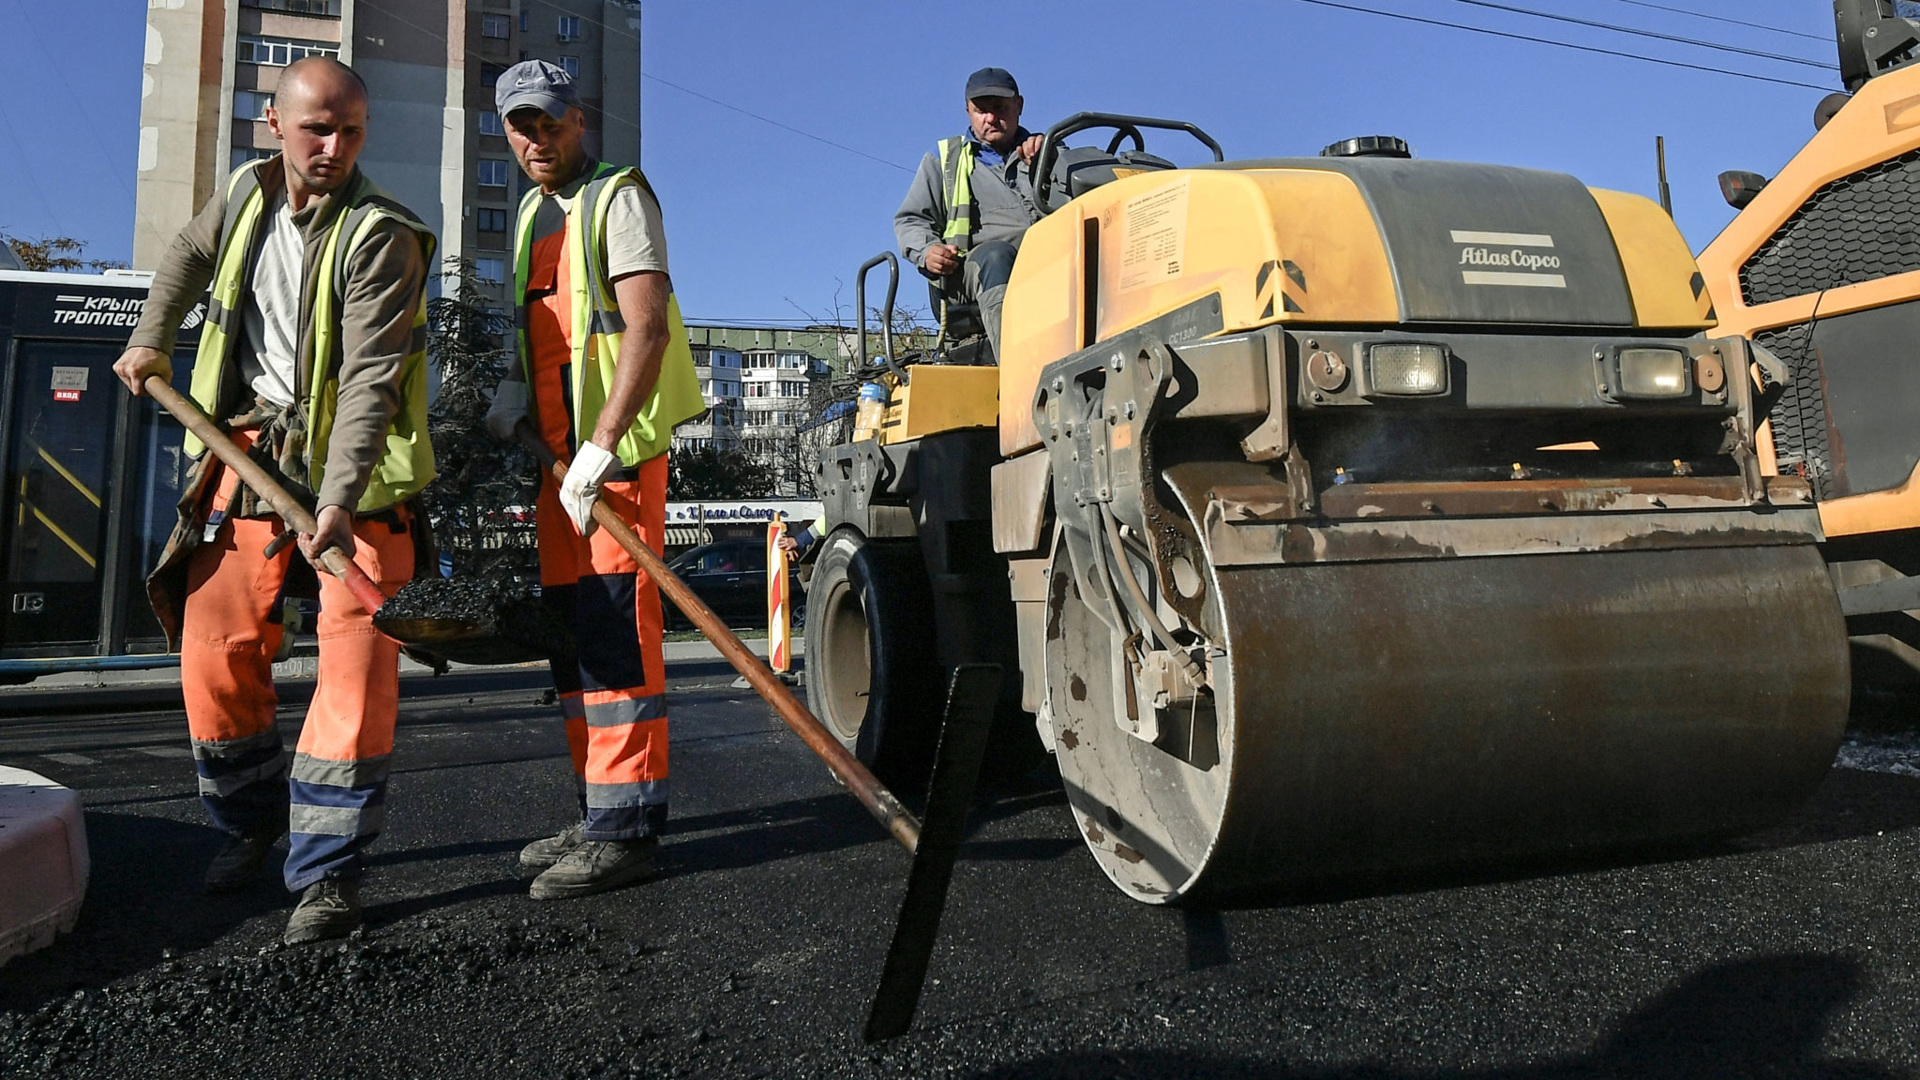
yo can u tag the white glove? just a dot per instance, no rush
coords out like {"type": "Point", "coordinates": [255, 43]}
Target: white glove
{"type": "Point", "coordinates": [581, 489]}
{"type": "Point", "coordinates": [508, 409]}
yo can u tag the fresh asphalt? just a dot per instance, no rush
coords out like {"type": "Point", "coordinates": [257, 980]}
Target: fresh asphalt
{"type": "Point", "coordinates": [1795, 953]}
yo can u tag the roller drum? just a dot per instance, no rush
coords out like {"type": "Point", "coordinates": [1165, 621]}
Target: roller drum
{"type": "Point", "coordinates": [1377, 718]}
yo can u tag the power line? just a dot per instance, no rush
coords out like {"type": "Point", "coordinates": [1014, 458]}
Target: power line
{"type": "Point", "coordinates": [617, 31]}
{"type": "Point", "coordinates": [621, 31]}
{"type": "Point", "coordinates": [1637, 32]}
{"type": "Point", "coordinates": [775, 123]}
{"type": "Point", "coordinates": [33, 178]}
{"type": "Point", "coordinates": [1730, 22]}
{"type": "Point", "coordinates": [1564, 44]}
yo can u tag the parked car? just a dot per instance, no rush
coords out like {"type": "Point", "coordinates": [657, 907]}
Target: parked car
{"type": "Point", "coordinates": [731, 576]}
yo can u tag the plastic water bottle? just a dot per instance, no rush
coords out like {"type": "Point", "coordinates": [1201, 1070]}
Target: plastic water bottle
{"type": "Point", "coordinates": [871, 412]}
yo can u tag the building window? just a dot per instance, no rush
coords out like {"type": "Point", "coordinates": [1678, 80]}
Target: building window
{"type": "Point", "coordinates": [251, 104]}
{"type": "Point", "coordinates": [302, 7]}
{"type": "Point", "coordinates": [493, 172]}
{"type": "Point", "coordinates": [490, 74]}
{"type": "Point", "coordinates": [490, 123]}
{"type": "Point", "coordinates": [571, 64]}
{"type": "Point", "coordinates": [490, 219]}
{"type": "Point", "coordinates": [244, 154]}
{"type": "Point", "coordinates": [523, 20]}
{"type": "Point", "coordinates": [493, 26]}
{"type": "Point", "coordinates": [569, 28]}
{"type": "Point", "coordinates": [492, 271]}
{"type": "Point", "coordinates": [279, 52]}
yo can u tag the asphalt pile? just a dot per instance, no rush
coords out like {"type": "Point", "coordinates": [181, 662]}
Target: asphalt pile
{"type": "Point", "coordinates": [477, 620]}
{"type": "Point", "coordinates": [178, 1009]}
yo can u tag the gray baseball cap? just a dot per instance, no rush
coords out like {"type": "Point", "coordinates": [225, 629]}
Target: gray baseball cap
{"type": "Point", "coordinates": [534, 84]}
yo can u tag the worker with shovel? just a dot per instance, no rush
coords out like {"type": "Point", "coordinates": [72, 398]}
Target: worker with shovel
{"type": "Point", "coordinates": [605, 373]}
{"type": "Point", "coordinates": [313, 359]}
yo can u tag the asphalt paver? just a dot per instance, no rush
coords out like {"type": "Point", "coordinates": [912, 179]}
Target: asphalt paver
{"type": "Point", "coordinates": [1795, 953]}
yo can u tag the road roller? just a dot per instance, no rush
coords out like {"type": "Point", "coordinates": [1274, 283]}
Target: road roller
{"type": "Point", "coordinates": [1338, 518]}
{"type": "Point", "coordinates": [1822, 268]}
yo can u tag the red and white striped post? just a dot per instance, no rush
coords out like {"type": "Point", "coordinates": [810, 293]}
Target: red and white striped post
{"type": "Point", "coordinates": [779, 606]}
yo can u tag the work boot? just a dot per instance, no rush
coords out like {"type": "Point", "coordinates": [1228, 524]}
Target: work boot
{"type": "Point", "coordinates": [596, 866]}
{"type": "Point", "coordinates": [544, 853]}
{"type": "Point", "coordinates": [239, 862]}
{"type": "Point", "coordinates": [329, 908]}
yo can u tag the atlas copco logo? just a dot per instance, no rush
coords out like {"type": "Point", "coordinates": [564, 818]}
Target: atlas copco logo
{"type": "Point", "coordinates": [1508, 259]}
{"type": "Point", "coordinates": [1525, 260]}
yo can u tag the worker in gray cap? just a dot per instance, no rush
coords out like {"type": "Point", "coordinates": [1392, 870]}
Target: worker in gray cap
{"type": "Point", "coordinates": [604, 373]}
{"type": "Point", "coordinates": [971, 201]}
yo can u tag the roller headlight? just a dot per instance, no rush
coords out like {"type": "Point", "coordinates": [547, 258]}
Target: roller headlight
{"type": "Point", "coordinates": [1642, 372]}
{"type": "Point", "coordinates": [1406, 369]}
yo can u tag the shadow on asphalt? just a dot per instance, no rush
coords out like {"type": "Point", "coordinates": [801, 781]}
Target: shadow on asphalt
{"type": "Point", "coordinates": [1029, 849]}
{"type": "Point", "coordinates": [446, 851]}
{"type": "Point", "coordinates": [379, 915]}
{"type": "Point", "coordinates": [1766, 1016]}
{"type": "Point", "coordinates": [144, 900]}
{"type": "Point", "coordinates": [762, 834]}
{"type": "Point", "coordinates": [1849, 803]}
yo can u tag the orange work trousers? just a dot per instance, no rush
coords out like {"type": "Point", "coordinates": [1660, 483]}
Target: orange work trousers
{"type": "Point", "coordinates": [614, 692]}
{"type": "Point", "coordinates": [334, 790]}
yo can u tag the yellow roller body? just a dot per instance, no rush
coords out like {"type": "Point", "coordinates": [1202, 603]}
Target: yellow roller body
{"type": "Point", "coordinates": [1302, 622]}
{"type": "Point", "coordinates": [1814, 269]}
{"type": "Point", "coordinates": [1357, 516]}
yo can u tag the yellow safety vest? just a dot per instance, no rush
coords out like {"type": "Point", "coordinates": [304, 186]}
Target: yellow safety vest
{"type": "Point", "coordinates": [956, 165]}
{"type": "Point", "coordinates": [598, 326]}
{"type": "Point", "coordinates": [407, 466]}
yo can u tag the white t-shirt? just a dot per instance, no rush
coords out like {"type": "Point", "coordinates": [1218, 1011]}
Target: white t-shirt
{"type": "Point", "coordinates": [271, 318]}
{"type": "Point", "coordinates": [636, 238]}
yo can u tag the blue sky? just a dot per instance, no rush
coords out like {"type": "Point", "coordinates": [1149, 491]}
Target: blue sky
{"type": "Point", "coordinates": [767, 225]}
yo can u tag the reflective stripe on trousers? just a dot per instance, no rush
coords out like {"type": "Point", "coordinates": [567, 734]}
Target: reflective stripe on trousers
{"type": "Point", "coordinates": [229, 633]}
{"type": "Point", "coordinates": [242, 780]}
{"type": "Point", "coordinates": [614, 693]}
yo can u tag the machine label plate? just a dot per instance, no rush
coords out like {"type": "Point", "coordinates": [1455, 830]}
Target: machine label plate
{"type": "Point", "coordinates": [1153, 246]}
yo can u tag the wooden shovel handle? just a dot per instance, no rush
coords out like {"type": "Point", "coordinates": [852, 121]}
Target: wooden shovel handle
{"type": "Point", "coordinates": [295, 515]}
{"type": "Point", "coordinates": [881, 803]}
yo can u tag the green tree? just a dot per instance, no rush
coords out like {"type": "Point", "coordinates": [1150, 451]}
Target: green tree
{"type": "Point", "coordinates": [740, 473]}
{"type": "Point", "coordinates": [55, 253]}
{"type": "Point", "coordinates": [481, 504]}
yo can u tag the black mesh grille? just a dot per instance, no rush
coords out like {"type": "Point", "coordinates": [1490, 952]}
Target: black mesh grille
{"type": "Point", "coordinates": [1857, 228]}
{"type": "Point", "coordinates": [1800, 416]}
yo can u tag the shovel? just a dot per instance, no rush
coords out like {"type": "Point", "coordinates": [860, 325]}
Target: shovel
{"type": "Point", "coordinates": [934, 846]}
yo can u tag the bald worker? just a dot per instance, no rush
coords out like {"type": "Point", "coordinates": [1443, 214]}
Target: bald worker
{"type": "Point", "coordinates": [313, 357]}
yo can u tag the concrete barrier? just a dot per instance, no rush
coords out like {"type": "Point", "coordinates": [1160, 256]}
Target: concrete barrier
{"type": "Point", "coordinates": [43, 861]}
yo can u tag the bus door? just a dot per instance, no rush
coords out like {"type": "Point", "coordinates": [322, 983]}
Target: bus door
{"type": "Point", "coordinates": [59, 489]}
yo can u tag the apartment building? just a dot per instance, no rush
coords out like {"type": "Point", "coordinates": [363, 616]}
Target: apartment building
{"type": "Point", "coordinates": [719, 370]}
{"type": "Point", "coordinates": [434, 141]}
{"type": "Point", "coordinates": [761, 384]}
